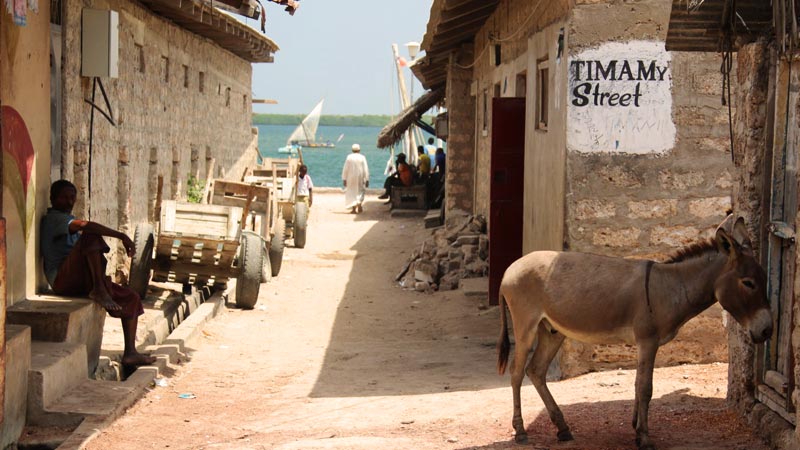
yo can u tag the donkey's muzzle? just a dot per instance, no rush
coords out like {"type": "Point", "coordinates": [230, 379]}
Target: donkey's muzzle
{"type": "Point", "coordinates": [761, 326]}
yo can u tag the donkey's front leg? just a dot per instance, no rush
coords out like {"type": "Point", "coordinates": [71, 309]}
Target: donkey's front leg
{"type": "Point", "coordinates": [644, 392]}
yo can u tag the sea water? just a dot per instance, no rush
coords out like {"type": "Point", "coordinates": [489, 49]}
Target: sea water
{"type": "Point", "coordinates": [325, 164]}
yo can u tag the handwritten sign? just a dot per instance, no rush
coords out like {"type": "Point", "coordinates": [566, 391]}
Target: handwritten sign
{"type": "Point", "coordinates": [620, 99]}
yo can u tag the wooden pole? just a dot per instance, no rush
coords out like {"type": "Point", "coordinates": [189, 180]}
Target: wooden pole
{"type": "Point", "coordinates": [405, 102]}
{"type": "Point", "coordinates": [209, 180]}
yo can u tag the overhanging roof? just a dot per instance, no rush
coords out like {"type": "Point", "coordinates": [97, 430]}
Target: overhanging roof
{"type": "Point", "coordinates": [701, 30]}
{"type": "Point", "coordinates": [204, 20]}
{"type": "Point", "coordinates": [393, 132]}
{"type": "Point", "coordinates": [452, 23]}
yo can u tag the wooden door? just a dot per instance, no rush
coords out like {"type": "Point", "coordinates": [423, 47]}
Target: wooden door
{"type": "Point", "coordinates": [776, 371]}
{"type": "Point", "coordinates": [506, 188]}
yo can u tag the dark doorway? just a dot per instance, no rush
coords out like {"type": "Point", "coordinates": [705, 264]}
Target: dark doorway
{"type": "Point", "coordinates": [507, 188]}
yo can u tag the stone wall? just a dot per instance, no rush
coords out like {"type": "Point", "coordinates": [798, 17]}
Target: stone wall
{"type": "Point", "coordinates": [179, 101]}
{"type": "Point", "coordinates": [755, 137]}
{"type": "Point", "coordinates": [636, 186]}
{"type": "Point", "coordinates": [460, 175]}
{"type": "Point", "coordinates": [660, 180]}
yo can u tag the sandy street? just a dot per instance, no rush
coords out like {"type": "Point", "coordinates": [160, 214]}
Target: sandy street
{"type": "Point", "coordinates": [336, 355]}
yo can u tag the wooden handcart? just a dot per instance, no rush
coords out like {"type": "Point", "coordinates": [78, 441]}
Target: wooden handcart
{"type": "Point", "coordinates": [201, 245]}
{"type": "Point", "coordinates": [281, 176]}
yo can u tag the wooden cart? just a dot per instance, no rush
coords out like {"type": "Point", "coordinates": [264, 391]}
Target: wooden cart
{"type": "Point", "coordinates": [260, 220]}
{"type": "Point", "coordinates": [202, 245]}
{"type": "Point", "coordinates": [281, 176]}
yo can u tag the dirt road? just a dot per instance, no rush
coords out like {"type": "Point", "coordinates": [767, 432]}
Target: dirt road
{"type": "Point", "coordinates": [335, 355]}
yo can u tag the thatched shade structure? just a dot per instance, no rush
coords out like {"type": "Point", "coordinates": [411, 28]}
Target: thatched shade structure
{"type": "Point", "coordinates": [393, 132]}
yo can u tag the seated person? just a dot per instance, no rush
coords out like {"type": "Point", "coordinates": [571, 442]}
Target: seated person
{"type": "Point", "coordinates": [72, 250]}
{"type": "Point", "coordinates": [440, 161]}
{"type": "Point", "coordinates": [403, 176]}
{"type": "Point", "coordinates": [424, 164]}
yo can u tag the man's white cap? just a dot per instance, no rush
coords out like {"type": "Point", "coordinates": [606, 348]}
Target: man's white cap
{"type": "Point", "coordinates": [356, 147]}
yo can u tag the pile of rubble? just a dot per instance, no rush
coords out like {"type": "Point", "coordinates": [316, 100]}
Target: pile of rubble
{"type": "Point", "coordinates": [459, 249]}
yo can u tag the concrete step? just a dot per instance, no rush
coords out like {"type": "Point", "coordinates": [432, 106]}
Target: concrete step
{"type": "Point", "coordinates": [56, 368]}
{"type": "Point", "coordinates": [433, 218]}
{"type": "Point", "coordinates": [17, 363]}
{"type": "Point", "coordinates": [62, 319]}
{"type": "Point", "coordinates": [92, 397]}
{"type": "Point", "coordinates": [475, 287]}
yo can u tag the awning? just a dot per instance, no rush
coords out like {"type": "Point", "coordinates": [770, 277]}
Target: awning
{"type": "Point", "coordinates": [393, 132]}
{"type": "Point", "coordinates": [452, 23]}
{"type": "Point", "coordinates": [204, 20]}
{"type": "Point", "coordinates": [700, 29]}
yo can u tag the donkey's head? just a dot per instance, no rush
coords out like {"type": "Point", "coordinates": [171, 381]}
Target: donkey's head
{"type": "Point", "coordinates": [741, 287]}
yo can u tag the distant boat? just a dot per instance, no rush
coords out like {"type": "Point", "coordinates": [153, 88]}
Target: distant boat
{"type": "Point", "coordinates": [305, 135]}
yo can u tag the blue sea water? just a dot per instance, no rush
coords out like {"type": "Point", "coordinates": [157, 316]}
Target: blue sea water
{"type": "Point", "coordinates": [325, 164]}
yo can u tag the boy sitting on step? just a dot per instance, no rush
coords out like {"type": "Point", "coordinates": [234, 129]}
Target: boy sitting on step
{"type": "Point", "coordinates": [74, 264]}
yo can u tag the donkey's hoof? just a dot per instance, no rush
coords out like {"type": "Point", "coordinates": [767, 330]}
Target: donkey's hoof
{"type": "Point", "coordinates": [565, 435]}
{"type": "Point", "coordinates": [644, 444]}
{"type": "Point", "coordinates": [521, 438]}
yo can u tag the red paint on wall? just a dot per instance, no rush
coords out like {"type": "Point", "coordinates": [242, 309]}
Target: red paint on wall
{"type": "Point", "coordinates": [17, 143]}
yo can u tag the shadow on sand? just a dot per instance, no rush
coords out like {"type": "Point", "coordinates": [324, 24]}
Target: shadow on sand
{"type": "Point", "coordinates": [389, 341]}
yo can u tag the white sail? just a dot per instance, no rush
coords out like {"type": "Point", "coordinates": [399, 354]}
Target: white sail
{"type": "Point", "coordinates": [306, 132]}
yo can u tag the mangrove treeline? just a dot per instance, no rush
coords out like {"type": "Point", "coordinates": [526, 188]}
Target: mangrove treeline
{"type": "Point", "coordinates": [364, 120]}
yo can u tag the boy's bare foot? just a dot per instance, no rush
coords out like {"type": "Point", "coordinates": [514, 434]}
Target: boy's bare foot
{"type": "Point", "coordinates": [104, 300]}
{"type": "Point", "coordinates": [137, 359]}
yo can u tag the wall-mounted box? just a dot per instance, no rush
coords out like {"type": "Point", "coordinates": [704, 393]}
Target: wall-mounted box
{"type": "Point", "coordinates": [100, 43]}
{"type": "Point", "coordinates": [441, 126]}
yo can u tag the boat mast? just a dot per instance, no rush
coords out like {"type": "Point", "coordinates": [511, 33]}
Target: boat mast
{"type": "Point", "coordinates": [405, 102]}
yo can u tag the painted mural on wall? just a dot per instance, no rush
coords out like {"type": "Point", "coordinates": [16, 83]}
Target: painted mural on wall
{"type": "Point", "coordinates": [18, 161]}
{"type": "Point", "coordinates": [620, 99]}
{"type": "Point", "coordinates": [19, 10]}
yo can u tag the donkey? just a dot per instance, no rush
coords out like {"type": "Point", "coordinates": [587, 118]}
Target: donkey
{"type": "Point", "coordinates": [601, 300]}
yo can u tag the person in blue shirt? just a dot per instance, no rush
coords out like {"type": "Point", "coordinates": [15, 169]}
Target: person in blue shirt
{"type": "Point", "coordinates": [75, 265]}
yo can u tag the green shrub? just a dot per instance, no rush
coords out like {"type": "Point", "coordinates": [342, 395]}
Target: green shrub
{"type": "Point", "coordinates": [194, 189]}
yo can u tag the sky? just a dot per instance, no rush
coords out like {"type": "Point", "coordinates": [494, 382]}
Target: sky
{"type": "Point", "coordinates": [339, 50]}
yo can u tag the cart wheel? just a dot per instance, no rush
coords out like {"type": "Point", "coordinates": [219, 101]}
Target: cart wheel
{"type": "Point", "coordinates": [276, 247]}
{"type": "Point", "coordinates": [300, 224]}
{"type": "Point", "coordinates": [249, 280]}
{"type": "Point", "coordinates": [266, 266]}
{"type": "Point", "coordinates": [142, 258]}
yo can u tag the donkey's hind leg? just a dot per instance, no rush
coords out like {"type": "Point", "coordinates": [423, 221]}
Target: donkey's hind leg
{"type": "Point", "coordinates": [549, 343]}
{"type": "Point", "coordinates": [522, 346]}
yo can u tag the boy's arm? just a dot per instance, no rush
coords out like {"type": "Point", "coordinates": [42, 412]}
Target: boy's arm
{"type": "Point", "coordinates": [95, 228]}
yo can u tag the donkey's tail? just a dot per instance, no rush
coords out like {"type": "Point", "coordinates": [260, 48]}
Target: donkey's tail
{"type": "Point", "coordinates": [503, 344]}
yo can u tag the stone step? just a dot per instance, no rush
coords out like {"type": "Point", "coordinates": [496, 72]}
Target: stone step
{"type": "Point", "coordinates": [17, 363]}
{"type": "Point", "coordinates": [433, 218]}
{"type": "Point", "coordinates": [62, 319]}
{"type": "Point", "coordinates": [56, 368]}
{"type": "Point", "coordinates": [92, 397]}
{"type": "Point", "coordinates": [475, 287]}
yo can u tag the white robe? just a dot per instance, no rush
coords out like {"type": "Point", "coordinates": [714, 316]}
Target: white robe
{"type": "Point", "coordinates": [356, 174]}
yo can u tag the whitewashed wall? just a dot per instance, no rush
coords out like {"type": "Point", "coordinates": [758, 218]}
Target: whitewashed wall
{"type": "Point", "coordinates": [620, 99]}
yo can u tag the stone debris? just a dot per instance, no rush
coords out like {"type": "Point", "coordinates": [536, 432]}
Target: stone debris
{"type": "Point", "coordinates": [455, 251]}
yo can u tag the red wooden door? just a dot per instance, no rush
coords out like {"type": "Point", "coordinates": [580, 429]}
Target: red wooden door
{"type": "Point", "coordinates": [506, 189]}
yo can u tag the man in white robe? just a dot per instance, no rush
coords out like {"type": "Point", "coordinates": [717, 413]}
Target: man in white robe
{"type": "Point", "coordinates": [355, 177]}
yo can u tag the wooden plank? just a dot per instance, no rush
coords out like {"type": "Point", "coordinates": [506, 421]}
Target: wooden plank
{"type": "Point", "coordinates": [233, 223]}
{"type": "Point", "coordinates": [774, 401]}
{"type": "Point", "coordinates": [165, 265]}
{"type": "Point", "coordinates": [239, 202]}
{"type": "Point", "coordinates": [197, 207]}
{"type": "Point", "coordinates": [202, 228]}
{"type": "Point", "coordinates": [168, 215]}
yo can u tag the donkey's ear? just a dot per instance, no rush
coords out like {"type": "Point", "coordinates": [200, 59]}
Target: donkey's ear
{"type": "Point", "coordinates": [742, 237]}
{"type": "Point", "coordinates": [725, 242]}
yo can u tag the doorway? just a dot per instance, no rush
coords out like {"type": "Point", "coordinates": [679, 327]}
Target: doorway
{"type": "Point", "coordinates": [507, 187]}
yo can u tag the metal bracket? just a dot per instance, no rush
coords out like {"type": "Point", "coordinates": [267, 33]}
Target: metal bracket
{"type": "Point", "coordinates": [783, 231]}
